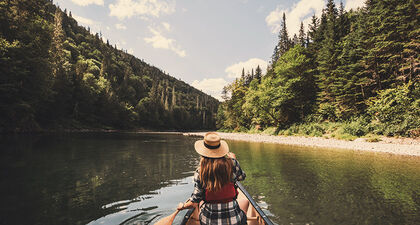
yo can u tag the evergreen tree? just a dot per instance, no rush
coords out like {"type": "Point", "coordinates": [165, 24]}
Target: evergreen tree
{"type": "Point", "coordinates": [295, 40]}
{"type": "Point", "coordinates": [352, 84]}
{"type": "Point", "coordinates": [343, 22]}
{"type": "Point", "coordinates": [313, 28]}
{"type": "Point", "coordinates": [327, 65]}
{"type": "Point", "coordinates": [360, 59]}
{"type": "Point", "coordinates": [302, 36]}
{"type": "Point", "coordinates": [55, 74]}
{"type": "Point", "coordinates": [284, 41]}
{"type": "Point", "coordinates": [258, 74]}
{"type": "Point", "coordinates": [275, 55]}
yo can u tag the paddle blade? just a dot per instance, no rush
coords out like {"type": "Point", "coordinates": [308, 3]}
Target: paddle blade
{"type": "Point", "coordinates": [167, 220]}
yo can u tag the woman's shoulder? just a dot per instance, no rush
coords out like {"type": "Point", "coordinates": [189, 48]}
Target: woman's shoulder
{"type": "Point", "coordinates": [235, 161]}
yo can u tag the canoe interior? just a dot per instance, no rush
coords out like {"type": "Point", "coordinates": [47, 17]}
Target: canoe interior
{"type": "Point", "coordinates": [253, 217]}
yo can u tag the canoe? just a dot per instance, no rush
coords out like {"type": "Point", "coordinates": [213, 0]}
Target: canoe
{"type": "Point", "coordinates": [255, 216]}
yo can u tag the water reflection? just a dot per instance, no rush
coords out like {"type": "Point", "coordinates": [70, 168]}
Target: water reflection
{"type": "Point", "coordinates": [308, 186]}
{"type": "Point", "coordinates": [68, 179]}
{"type": "Point", "coordinates": [151, 207]}
{"type": "Point", "coordinates": [125, 178]}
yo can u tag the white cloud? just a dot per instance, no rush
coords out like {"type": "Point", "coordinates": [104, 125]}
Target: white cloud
{"type": "Point", "coordinates": [130, 51]}
{"type": "Point", "coordinates": [354, 4]}
{"type": "Point", "coordinates": [120, 26]}
{"type": "Point", "coordinates": [143, 8]}
{"type": "Point", "coordinates": [85, 21]}
{"type": "Point", "coordinates": [95, 26]}
{"type": "Point", "coordinates": [88, 2]}
{"type": "Point", "coordinates": [211, 86]}
{"type": "Point", "coordinates": [301, 11]}
{"type": "Point", "coordinates": [167, 26]}
{"type": "Point", "coordinates": [235, 70]}
{"type": "Point", "coordinates": [159, 41]}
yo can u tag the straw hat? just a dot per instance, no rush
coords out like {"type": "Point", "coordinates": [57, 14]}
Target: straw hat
{"type": "Point", "coordinates": [211, 146]}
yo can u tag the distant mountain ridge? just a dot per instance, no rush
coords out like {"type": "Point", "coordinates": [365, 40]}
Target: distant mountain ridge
{"type": "Point", "coordinates": [56, 74]}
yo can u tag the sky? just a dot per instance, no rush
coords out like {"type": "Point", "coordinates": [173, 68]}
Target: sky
{"type": "Point", "coordinates": [205, 43]}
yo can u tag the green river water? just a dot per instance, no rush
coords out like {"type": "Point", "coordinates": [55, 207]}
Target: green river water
{"type": "Point", "coordinates": [129, 178]}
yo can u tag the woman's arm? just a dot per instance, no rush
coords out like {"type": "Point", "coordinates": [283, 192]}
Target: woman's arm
{"type": "Point", "coordinates": [187, 205]}
{"type": "Point", "coordinates": [237, 171]}
{"type": "Point", "coordinates": [199, 192]}
{"type": "Point", "coordinates": [196, 196]}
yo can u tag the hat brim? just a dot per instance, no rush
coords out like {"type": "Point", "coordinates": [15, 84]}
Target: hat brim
{"type": "Point", "coordinates": [211, 153]}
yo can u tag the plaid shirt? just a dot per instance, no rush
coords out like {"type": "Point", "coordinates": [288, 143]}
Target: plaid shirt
{"type": "Point", "coordinates": [219, 213]}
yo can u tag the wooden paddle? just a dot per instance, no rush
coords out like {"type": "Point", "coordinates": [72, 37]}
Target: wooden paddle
{"type": "Point", "coordinates": [169, 219]}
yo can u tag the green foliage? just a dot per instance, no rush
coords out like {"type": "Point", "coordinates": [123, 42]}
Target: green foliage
{"type": "Point", "coordinates": [55, 74]}
{"type": "Point", "coordinates": [284, 97]}
{"type": "Point", "coordinates": [397, 110]}
{"type": "Point", "coordinates": [372, 138]}
{"type": "Point", "coordinates": [270, 130]}
{"type": "Point", "coordinates": [355, 128]}
{"type": "Point", "coordinates": [356, 74]}
{"type": "Point", "coordinates": [311, 129]}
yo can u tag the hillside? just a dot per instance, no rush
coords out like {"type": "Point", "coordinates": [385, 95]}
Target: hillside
{"type": "Point", "coordinates": [351, 73]}
{"type": "Point", "coordinates": [55, 74]}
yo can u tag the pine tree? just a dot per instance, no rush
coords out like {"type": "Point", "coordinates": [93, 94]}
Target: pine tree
{"type": "Point", "coordinates": [353, 90]}
{"type": "Point", "coordinates": [327, 64]}
{"type": "Point", "coordinates": [225, 91]}
{"type": "Point", "coordinates": [248, 78]}
{"type": "Point", "coordinates": [313, 28]}
{"type": "Point", "coordinates": [409, 27]}
{"type": "Point", "coordinates": [295, 40]}
{"type": "Point", "coordinates": [284, 41]}
{"type": "Point", "coordinates": [343, 24]}
{"type": "Point", "coordinates": [275, 56]}
{"type": "Point", "coordinates": [302, 36]}
{"type": "Point", "coordinates": [258, 74]}
{"type": "Point", "coordinates": [390, 23]}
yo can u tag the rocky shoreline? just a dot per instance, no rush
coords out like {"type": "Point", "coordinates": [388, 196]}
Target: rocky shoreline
{"type": "Point", "coordinates": [397, 146]}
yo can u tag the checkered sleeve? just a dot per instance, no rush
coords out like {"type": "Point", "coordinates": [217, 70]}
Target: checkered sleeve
{"type": "Point", "coordinates": [238, 173]}
{"type": "Point", "coordinates": [198, 193]}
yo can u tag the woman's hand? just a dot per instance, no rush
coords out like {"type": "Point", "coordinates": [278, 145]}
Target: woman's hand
{"type": "Point", "coordinates": [180, 206]}
{"type": "Point", "coordinates": [186, 205]}
{"type": "Point", "coordinates": [231, 155]}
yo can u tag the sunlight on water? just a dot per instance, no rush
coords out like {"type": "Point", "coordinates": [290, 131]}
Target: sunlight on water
{"type": "Point", "coordinates": [149, 208]}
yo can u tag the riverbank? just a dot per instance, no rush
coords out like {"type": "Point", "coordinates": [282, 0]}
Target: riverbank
{"type": "Point", "coordinates": [397, 146]}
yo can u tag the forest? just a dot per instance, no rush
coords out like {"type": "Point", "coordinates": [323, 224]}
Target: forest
{"type": "Point", "coordinates": [350, 74]}
{"type": "Point", "coordinates": [57, 75]}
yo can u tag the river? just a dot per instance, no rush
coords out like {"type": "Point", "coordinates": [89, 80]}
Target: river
{"type": "Point", "coordinates": [117, 178]}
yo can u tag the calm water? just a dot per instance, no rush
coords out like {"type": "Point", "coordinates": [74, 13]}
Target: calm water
{"type": "Point", "coordinates": [122, 178]}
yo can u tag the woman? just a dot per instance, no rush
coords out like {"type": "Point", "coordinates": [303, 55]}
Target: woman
{"type": "Point", "coordinates": [214, 183]}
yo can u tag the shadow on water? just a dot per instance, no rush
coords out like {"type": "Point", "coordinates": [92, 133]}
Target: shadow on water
{"type": "Point", "coordinates": [73, 178]}
{"type": "Point", "coordinates": [127, 178]}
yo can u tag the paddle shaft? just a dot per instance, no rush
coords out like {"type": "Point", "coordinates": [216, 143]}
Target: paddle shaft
{"type": "Point", "coordinates": [254, 204]}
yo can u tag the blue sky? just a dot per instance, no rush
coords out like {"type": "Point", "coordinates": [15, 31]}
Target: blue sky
{"type": "Point", "coordinates": [205, 43]}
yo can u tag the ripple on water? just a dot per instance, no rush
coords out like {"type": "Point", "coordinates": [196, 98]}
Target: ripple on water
{"type": "Point", "coordinates": [148, 209]}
